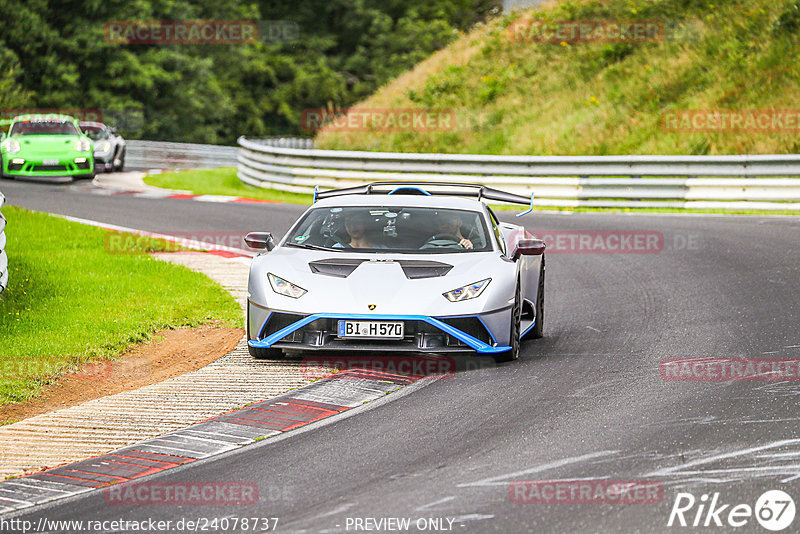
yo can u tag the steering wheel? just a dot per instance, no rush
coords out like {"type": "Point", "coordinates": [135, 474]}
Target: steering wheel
{"type": "Point", "coordinates": [443, 241]}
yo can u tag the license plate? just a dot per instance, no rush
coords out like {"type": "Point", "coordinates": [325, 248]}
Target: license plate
{"type": "Point", "coordinates": [50, 162]}
{"type": "Point", "coordinates": [371, 329]}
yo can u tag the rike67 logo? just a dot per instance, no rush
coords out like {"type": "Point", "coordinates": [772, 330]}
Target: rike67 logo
{"type": "Point", "coordinates": [774, 510]}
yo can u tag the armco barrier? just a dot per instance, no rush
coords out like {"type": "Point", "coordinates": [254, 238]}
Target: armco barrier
{"type": "Point", "coordinates": [727, 182]}
{"type": "Point", "coordinates": [3, 255]}
{"type": "Point", "coordinates": [163, 155]}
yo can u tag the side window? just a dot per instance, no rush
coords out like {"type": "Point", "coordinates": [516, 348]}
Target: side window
{"type": "Point", "coordinates": [496, 229]}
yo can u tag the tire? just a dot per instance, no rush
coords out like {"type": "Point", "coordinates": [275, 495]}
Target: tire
{"type": "Point", "coordinates": [538, 329]}
{"type": "Point", "coordinates": [260, 353]}
{"type": "Point", "coordinates": [121, 163]}
{"type": "Point", "coordinates": [516, 341]}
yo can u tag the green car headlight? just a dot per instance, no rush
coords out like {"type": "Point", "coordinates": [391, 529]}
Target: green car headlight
{"type": "Point", "coordinates": [83, 145]}
{"type": "Point", "coordinates": [11, 146]}
{"type": "Point", "coordinates": [467, 292]}
{"type": "Point", "coordinates": [285, 288]}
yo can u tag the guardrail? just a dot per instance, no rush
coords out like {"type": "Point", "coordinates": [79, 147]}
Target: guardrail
{"type": "Point", "coordinates": [163, 155]}
{"type": "Point", "coordinates": [703, 182]}
{"type": "Point", "coordinates": [3, 255]}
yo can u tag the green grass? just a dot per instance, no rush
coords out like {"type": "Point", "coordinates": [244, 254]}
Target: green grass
{"type": "Point", "coordinates": [514, 97]}
{"type": "Point", "coordinates": [70, 301]}
{"type": "Point", "coordinates": [221, 181]}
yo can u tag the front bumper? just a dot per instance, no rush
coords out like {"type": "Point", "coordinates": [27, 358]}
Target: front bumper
{"type": "Point", "coordinates": [422, 334]}
{"type": "Point", "coordinates": [36, 166]}
{"type": "Point", "coordinates": [104, 161]}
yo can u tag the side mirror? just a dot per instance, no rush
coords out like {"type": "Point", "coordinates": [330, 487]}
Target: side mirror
{"type": "Point", "coordinates": [529, 247]}
{"type": "Point", "coordinates": [260, 240]}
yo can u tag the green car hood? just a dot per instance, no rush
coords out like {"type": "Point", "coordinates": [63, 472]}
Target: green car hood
{"type": "Point", "coordinates": [47, 144]}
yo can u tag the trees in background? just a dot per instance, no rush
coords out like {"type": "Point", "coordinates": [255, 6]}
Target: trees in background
{"type": "Point", "coordinates": [56, 55]}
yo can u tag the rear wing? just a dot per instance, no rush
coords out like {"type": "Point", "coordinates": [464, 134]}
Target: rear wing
{"type": "Point", "coordinates": [478, 191]}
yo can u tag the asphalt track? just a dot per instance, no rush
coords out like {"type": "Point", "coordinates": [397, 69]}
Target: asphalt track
{"type": "Point", "coordinates": [585, 402]}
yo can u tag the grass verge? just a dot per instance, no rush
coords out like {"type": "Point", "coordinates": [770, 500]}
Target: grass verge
{"type": "Point", "coordinates": [221, 181]}
{"type": "Point", "coordinates": [512, 95]}
{"type": "Point", "coordinates": [70, 301]}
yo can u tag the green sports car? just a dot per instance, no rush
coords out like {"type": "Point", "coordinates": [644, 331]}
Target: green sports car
{"type": "Point", "coordinates": [50, 147]}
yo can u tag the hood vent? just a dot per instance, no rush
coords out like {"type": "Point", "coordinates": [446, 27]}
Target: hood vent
{"type": "Point", "coordinates": [415, 269]}
{"type": "Point", "coordinates": [340, 268]}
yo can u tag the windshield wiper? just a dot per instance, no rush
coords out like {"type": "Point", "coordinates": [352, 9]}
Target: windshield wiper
{"type": "Point", "coordinates": [308, 246]}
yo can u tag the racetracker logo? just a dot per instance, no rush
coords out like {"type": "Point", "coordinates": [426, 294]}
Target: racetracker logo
{"type": "Point", "coordinates": [602, 242]}
{"type": "Point", "coordinates": [732, 121]}
{"type": "Point", "coordinates": [316, 367]}
{"type": "Point", "coordinates": [16, 370]}
{"type": "Point", "coordinates": [211, 32]}
{"type": "Point", "coordinates": [182, 494]}
{"type": "Point", "coordinates": [586, 492]}
{"type": "Point", "coordinates": [730, 369]}
{"type": "Point", "coordinates": [378, 120]}
{"type": "Point", "coordinates": [586, 31]}
{"type": "Point", "coordinates": [81, 114]}
{"type": "Point", "coordinates": [127, 243]}
{"type": "Point", "coordinates": [774, 510]}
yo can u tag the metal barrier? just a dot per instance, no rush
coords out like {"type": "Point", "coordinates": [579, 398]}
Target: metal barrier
{"type": "Point", "coordinates": [704, 182]}
{"type": "Point", "coordinates": [163, 155]}
{"type": "Point", "coordinates": [3, 255]}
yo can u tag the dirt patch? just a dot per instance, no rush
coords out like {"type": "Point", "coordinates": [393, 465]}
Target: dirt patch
{"type": "Point", "coordinates": [173, 353]}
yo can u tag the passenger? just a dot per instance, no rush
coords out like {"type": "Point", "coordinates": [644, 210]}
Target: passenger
{"type": "Point", "coordinates": [357, 225]}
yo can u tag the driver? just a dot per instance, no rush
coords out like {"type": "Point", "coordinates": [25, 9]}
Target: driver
{"type": "Point", "coordinates": [449, 224]}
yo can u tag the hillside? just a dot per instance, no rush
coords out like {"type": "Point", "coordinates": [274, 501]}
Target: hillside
{"type": "Point", "coordinates": [512, 95]}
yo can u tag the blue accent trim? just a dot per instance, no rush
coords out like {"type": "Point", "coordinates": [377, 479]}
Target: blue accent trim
{"type": "Point", "coordinates": [264, 324]}
{"type": "Point", "coordinates": [316, 191]}
{"type": "Point", "coordinates": [528, 329]}
{"type": "Point", "coordinates": [476, 344]}
{"type": "Point", "coordinates": [486, 327]}
{"type": "Point", "coordinates": [528, 210]}
{"type": "Point", "coordinates": [401, 188]}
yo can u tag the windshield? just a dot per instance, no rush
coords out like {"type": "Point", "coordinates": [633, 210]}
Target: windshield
{"type": "Point", "coordinates": [43, 127]}
{"type": "Point", "coordinates": [392, 229]}
{"type": "Point", "coordinates": [95, 132]}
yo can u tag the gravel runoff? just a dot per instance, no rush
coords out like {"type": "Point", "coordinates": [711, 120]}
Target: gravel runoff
{"type": "Point", "coordinates": [106, 424]}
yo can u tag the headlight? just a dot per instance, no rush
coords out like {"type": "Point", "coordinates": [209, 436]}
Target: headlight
{"type": "Point", "coordinates": [467, 292]}
{"type": "Point", "coordinates": [11, 146]}
{"type": "Point", "coordinates": [83, 145]}
{"type": "Point", "coordinates": [287, 289]}
{"type": "Point", "coordinates": [106, 147]}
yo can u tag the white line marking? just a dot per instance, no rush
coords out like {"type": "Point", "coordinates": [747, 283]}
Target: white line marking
{"type": "Point", "coordinates": [338, 510]}
{"type": "Point", "coordinates": [666, 471]}
{"type": "Point", "coordinates": [765, 469]}
{"type": "Point", "coordinates": [496, 481]}
{"type": "Point", "coordinates": [434, 503]}
{"type": "Point", "coordinates": [188, 243]}
{"type": "Point", "coordinates": [471, 517]}
{"type": "Point", "coordinates": [778, 455]}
